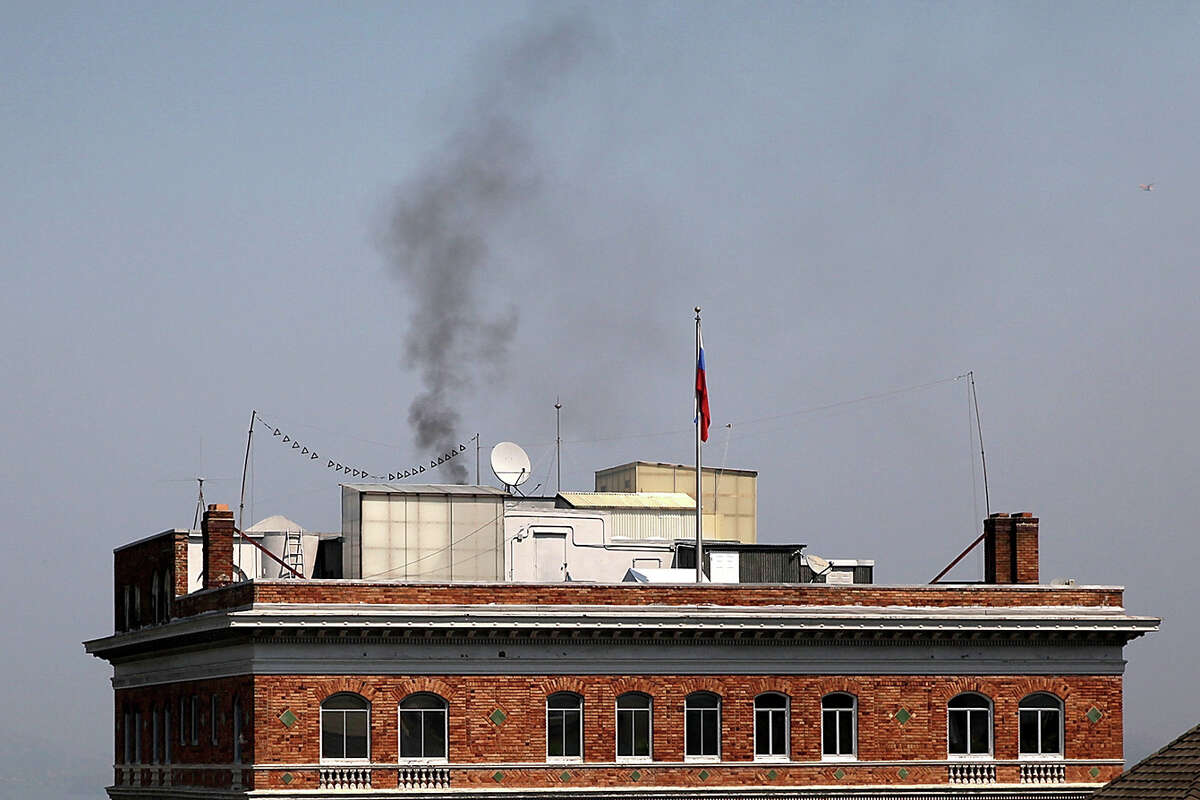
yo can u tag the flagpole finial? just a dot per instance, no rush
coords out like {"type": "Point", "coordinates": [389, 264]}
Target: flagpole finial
{"type": "Point", "coordinates": [697, 312]}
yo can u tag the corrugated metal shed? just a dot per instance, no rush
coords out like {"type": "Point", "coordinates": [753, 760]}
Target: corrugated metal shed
{"type": "Point", "coordinates": [641, 500]}
{"type": "Point", "coordinates": [424, 488]}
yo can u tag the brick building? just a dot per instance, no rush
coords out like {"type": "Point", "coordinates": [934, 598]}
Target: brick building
{"type": "Point", "coordinates": [308, 688]}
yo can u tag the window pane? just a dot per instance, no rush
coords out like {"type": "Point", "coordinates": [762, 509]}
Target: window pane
{"type": "Point", "coordinates": [333, 731]}
{"type": "Point", "coordinates": [633, 701]}
{"type": "Point", "coordinates": [846, 733]}
{"type": "Point", "coordinates": [1029, 731]}
{"type": "Point", "coordinates": [710, 738]}
{"type": "Point", "coordinates": [837, 701]}
{"type": "Point", "coordinates": [829, 736]}
{"type": "Point", "coordinates": [624, 733]}
{"type": "Point", "coordinates": [694, 747]}
{"type": "Point", "coordinates": [980, 735]}
{"type": "Point", "coordinates": [958, 731]}
{"type": "Point", "coordinates": [410, 734]}
{"type": "Point", "coordinates": [422, 701]}
{"type": "Point", "coordinates": [1050, 732]}
{"type": "Point", "coordinates": [770, 701]}
{"type": "Point", "coordinates": [779, 734]}
{"type": "Point", "coordinates": [641, 733]}
{"type": "Point", "coordinates": [435, 734]}
{"type": "Point", "coordinates": [554, 733]}
{"type": "Point", "coordinates": [356, 734]}
{"type": "Point", "coordinates": [573, 733]}
{"type": "Point", "coordinates": [762, 732]}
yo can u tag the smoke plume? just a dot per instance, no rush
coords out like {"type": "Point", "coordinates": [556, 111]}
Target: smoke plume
{"type": "Point", "coordinates": [443, 225]}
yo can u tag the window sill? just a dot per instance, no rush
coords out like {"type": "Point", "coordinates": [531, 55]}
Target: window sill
{"type": "Point", "coordinates": [422, 762]}
{"type": "Point", "coordinates": [834, 757]}
{"type": "Point", "coordinates": [779, 759]}
{"type": "Point", "coordinates": [346, 762]}
{"type": "Point", "coordinates": [970, 757]}
{"type": "Point", "coordinates": [1041, 757]}
{"type": "Point", "coordinates": [635, 759]}
{"type": "Point", "coordinates": [564, 759]}
{"type": "Point", "coordinates": [701, 759]}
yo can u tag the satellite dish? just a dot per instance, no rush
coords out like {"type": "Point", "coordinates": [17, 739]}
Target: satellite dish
{"type": "Point", "coordinates": [818, 565]}
{"type": "Point", "coordinates": [510, 463]}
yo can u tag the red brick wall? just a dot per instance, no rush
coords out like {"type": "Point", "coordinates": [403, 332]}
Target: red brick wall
{"type": "Point", "coordinates": [640, 594]}
{"type": "Point", "coordinates": [135, 566]}
{"type": "Point", "coordinates": [1010, 548]}
{"type": "Point", "coordinates": [474, 738]}
{"type": "Point", "coordinates": [217, 531]}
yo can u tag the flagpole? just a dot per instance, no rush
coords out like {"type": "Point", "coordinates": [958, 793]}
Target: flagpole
{"type": "Point", "coordinates": [699, 471]}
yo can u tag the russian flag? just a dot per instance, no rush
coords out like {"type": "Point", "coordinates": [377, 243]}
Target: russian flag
{"type": "Point", "coordinates": [702, 393]}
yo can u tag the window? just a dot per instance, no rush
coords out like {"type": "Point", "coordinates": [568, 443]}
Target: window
{"type": "Point", "coordinates": [838, 739]}
{"type": "Point", "coordinates": [212, 723]}
{"type": "Point", "coordinates": [1041, 726]}
{"type": "Point", "coordinates": [237, 730]}
{"type": "Point", "coordinates": [564, 727]}
{"type": "Point", "coordinates": [167, 732]}
{"type": "Point", "coordinates": [182, 720]}
{"type": "Point", "coordinates": [154, 597]}
{"type": "Point", "coordinates": [154, 733]}
{"type": "Point", "coordinates": [195, 720]}
{"type": "Point", "coordinates": [633, 727]}
{"type": "Point", "coordinates": [137, 737]}
{"type": "Point", "coordinates": [702, 726]}
{"type": "Point", "coordinates": [770, 726]}
{"type": "Point", "coordinates": [128, 608]}
{"type": "Point", "coordinates": [423, 730]}
{"type": "Point", "coordinates": [969, 721]}
{"type": "Point", "coordinates": [127, 754]}
{"type": "Point", "coordinates": [344, 727]}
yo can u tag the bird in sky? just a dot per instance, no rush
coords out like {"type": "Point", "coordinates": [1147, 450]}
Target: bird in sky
{"type": "Point", "coordinates": [1146, 187]}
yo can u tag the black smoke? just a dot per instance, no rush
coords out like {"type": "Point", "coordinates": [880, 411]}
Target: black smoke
{"type": "Point", "coordinates": [443, 225]}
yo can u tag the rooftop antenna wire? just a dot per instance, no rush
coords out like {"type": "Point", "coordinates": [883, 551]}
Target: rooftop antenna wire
{"type": "Point", "coordinates": [199, 504]}
{"type": "Point", "coordinates": [246, 467]}
{"type": "Point", "coordinates": [982, 458]}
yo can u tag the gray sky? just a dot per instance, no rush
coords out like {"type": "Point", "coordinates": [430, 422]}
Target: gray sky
{"type": "Point", "coordinates": [862, 197]}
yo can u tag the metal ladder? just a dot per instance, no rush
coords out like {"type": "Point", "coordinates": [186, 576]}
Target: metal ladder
{"type": "Point", "coordinates": [293, 554]}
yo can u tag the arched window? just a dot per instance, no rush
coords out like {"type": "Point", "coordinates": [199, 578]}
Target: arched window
{"type": "Point", "coordinates": [633, 727]}
{"type": "Point", "coordinates": [770, 726]}
{"type": "Point", "coordinates": [1041, 726]}
{"type": "Point", "coordinates": [345, 726]}
{"type": "Point", "coordinates": [969, 725]}
{"type": "Point", "coordinates": [839, 716]}
{"type": "Point", "coordinates": [423, 729]}
{"type": "Point", "coordinates": [564, 727]}
{"type": "Point", "coordinates": [154, 597]}
{"type": "Point", "coordinates": [702, 727]}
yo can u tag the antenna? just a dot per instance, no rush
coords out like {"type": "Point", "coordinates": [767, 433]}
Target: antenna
{"type": "Point", "coordinates": [558, 442]}
{"type": "Point", "coordinates": [510, 463]}
{"type": "Point", "coordinates": [199, 503]}
{"type": "Point", "coordinates": [819, 566]}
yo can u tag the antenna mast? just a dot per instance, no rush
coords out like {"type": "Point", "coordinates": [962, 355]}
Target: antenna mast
{"type": "Point", "coordinates": [558, 442]}
{"type": "Point", "coordinates": [246, 466]}
{"type": "Point", "coordinates": [987, 502]}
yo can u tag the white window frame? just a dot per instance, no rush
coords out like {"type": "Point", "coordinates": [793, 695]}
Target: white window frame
{"type": "Point", "coordinates": [634, 712]}
{"type": "Point", "coordinates": [445, 710]}
{"type": "Point", "coordinates": [321, 730]}
{"type": "Point", "coordinates": [686, 708]}
{"type": "Point", "coordinates": [991, 726]}
{"type": "Point", "coordinates": [787, 727]}
{"type": "Point", "coordinates": [580, 709]}
{"type": "Point", "coordinates": [1062, 739]}
{"type": "Point", "coordinates": [853, 755]}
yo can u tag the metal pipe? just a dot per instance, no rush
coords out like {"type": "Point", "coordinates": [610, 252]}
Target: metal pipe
{"type": "Point", "coordinates": [699, 470]}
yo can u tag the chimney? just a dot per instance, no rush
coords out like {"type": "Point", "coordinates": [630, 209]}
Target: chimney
{"type": "Point", "coordinates": [217, 531]}
{"type": "Point", "coordinates": [1010, 548]}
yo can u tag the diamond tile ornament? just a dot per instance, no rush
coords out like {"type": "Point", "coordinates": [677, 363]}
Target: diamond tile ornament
{"type": "Point", "coordinates": [497, 717]}
{"type": "Point", "coordinates": [841, 773]}
{"type": "Point", "coordinates": [903, 773]}
{"type": "Point", "coordinates": [497, 776]}
{"type": "Point", "coordinates": [287, 777]}
{"type": "Point", "coordinates": [1094, 715]}
{"type": "Point", "coordinates": [772, 775]}
{"type": "Point", "coordinates": [635, 775]}
{"type": "Point", "coordinates": [1094, 772]}
{"type": "Point", "coordinates": [903, 715]}
{"type": "Point", "coordinates": [703, 775]}
{"type": "Point", "coordinates": [288, 718]}
{"type": "Point", "coordinates": [565, 776]}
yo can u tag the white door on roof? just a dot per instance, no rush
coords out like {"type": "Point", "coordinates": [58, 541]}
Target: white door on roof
{"type": "Point", "coordinates": [550, 557]}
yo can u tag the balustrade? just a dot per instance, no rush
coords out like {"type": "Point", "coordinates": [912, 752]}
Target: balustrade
{"type": "Point", "coordinates": [1041, 772]}
{"type": "Point", "coordinates": [972, 773]}
{"type": "Point", "coordinates": [345, 778]}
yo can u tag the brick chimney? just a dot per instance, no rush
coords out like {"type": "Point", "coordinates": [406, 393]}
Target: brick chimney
{"type": "Point", "coordinates": [1010, 548]}
{"type": "Point", "coordinates": [217, 530]}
